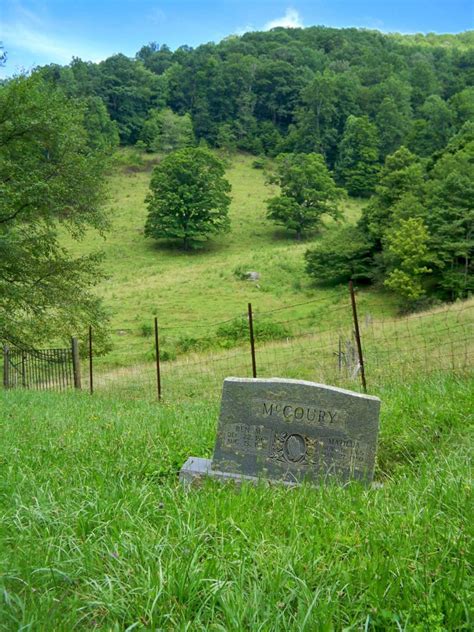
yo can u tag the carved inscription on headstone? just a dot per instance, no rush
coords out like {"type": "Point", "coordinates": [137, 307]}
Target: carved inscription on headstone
{"type": "Point", "coordinates": [292, 430]}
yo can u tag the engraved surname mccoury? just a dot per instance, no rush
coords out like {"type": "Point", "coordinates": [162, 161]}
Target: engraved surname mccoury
{"type": "Point", "coordinates": [313, 415]}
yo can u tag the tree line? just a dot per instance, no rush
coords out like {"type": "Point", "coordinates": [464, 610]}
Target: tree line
{"type": "Point", "coordinates": [318, 89]}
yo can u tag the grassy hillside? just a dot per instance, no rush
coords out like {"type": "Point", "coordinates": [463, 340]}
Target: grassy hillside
{"type": "Point", "coordinates": [97, 533]}
{"type": "Point", "coordinates": [148, 278]}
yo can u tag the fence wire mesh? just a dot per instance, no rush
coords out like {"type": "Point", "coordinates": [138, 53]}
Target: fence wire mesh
{"type": "Point", "coordinates": [310, 340]}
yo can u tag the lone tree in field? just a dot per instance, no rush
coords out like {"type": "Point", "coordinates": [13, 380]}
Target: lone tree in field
{"type": "Point", "coordinates": [307, 193]}
{"type": "Point", "coordinates": [51, 183]}
{"type": "Point", "coordinates": [189, 197]}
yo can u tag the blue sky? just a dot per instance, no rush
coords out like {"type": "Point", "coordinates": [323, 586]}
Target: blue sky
{"type": "Point", "coordinates": [45, 31]}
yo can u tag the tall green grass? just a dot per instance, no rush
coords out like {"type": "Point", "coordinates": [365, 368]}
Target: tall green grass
{"type": "Point", "coordinates": [96, 532]}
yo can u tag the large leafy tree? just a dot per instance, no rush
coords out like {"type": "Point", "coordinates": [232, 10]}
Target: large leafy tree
{"type": "Point", "coordinates": [308, 192]}
{"type": "Point", "coordinates": [343, 254]}
{"type": "Point", "coordinates": [449, 202]}
{"type": "Point", "coordinates": [357, 166]}
{"type": "Point", "coordinates": [189, 197]}
{"type": "Point", "coordinates": [166, 131]}
{"type": "Point", "coordinates": [432, 131]}
{"type": "Point", "coordinates": [50, 185]}
{"type": "Point", "coordinates": [402, 173]}
{"type": "Point", "coordinates": [130, 91]}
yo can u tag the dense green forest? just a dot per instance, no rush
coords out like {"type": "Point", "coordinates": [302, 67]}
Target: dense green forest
{"type": "Point", "coordinates": [291, 90]}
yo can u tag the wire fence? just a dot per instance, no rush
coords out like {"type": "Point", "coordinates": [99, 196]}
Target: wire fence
{"type": "Point", "coordinates": [312, 340]}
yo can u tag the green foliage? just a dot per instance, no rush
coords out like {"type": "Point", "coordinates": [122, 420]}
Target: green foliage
{"type": "Point", "coordinates": [226, 137]}
{"type": "Point", "coordinates": [241, 272]}
{"type": "Point", "coordinates": [393, 125]}
{"type": "Point", "coordinates": [341, 255]}
{"type": "Point", "coordinates": [407, 252]}
{"type": "Point", "coordinates": [432, 131]}
{"type": "Point", "coordinates": [259, 163]}
{"type": "Point", "coordinates": [462, 107]}
{"type": "Point", "coordinates": [232, 334]}
{"type": "Point", "coordinates": [51, 183]}
{"type": "Point", "coordinates": [166, 131]}
{"type": "Point", "coordinates": [415, 234]}
{"type": "Point", "coordinates": [264, 330]}
{"type": "Point", "coordinates": [102, 131]}
{"type": "Point", "coordinates": [402, 173]}
{"type": "Point", "coordinates": [449, 202]}
{"type": "Point", "coordinates": [286, 90]}
{"type": "Point", "coordinates": [189, 197]}
{"type": "Point", "coordinates": [129, 90]}
{"type": "Point", "coordinates": [146, 330]}
{"type": "Point", "coordinates": [357, 164]}
{"type": "Point", "coordinates": [307, 193]}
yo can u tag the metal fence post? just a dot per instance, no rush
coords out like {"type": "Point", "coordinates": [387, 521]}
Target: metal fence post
{"type": "Point", "coordinates": [76, 363]}
{"type": "Point", "coordinates": [157, 354]}
{"type": "Point", "coordinates": [357, 335]}
{"type": "Point", "coordinates": [252, 341]}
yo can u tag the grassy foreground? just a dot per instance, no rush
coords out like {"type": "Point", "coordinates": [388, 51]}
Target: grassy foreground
{"type": "Point", "coordinates": [97, 533]}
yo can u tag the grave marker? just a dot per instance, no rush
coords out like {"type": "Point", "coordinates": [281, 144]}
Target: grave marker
{"type": "Point", "coordinates": [291, 431]}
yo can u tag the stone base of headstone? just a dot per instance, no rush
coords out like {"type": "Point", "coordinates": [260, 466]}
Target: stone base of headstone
{"type": "Point", "coordinates": [196, 470]}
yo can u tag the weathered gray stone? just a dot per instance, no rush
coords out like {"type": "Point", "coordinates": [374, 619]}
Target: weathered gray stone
{"type": "Point", "coordinates": [293, 431]}
{"type": "Point", "coordinates": [252, 276]}
{"type": "Point", "coordinates": [196, 470]}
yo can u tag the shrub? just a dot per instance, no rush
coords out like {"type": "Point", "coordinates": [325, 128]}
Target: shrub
{"type": "Point", "coordinates": [146, 330]}
{"type": "Point", "coordinates": [342, 255]}
{"type": "Point", "coordinates": [258, 163]}
{"type": "Point", "coordinates": [238, 330]}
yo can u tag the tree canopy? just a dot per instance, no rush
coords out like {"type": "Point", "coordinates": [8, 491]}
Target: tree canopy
{"type": "Point", "coordinates": [189, 197]}
{"type": "Point", "coordinates": [307, 193]}
{"type": "Point", "coordinates": [416, 233]}
{"type": "Point", "coordinates": [50, 183]}
{"type": "Point", "coordinates": [292, 90]}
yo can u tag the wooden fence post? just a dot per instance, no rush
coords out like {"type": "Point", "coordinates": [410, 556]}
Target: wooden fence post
{"type": "Point", "coordinates": [76, 363]}
{"type": "Point", "coordinates": [6, 367]}
{"type": "Point", "coordinates": [252, 341]}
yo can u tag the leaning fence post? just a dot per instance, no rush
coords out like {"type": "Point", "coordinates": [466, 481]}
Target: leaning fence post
{"type": "Point", "coordinates": [6, 366]}
{"type": "Point", "coordinates": [252, 342]}
{"type": "Point", "coordinates": [91, 373]}
{"type": "Point", "coordinates": [76, 363]}
{"type": "Point", "coordinates": [357, 335]}
{"type": "Point", "coordinates": [157, 354]}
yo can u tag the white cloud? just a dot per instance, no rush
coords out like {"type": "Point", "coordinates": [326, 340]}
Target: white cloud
{"type": "Point", "coordinates": [36, 36]}
{"type": "Point", "coordinates": [245, 29]}
{"type": "Point", "coordinates": [291, 20]}
{"type": "Point", "coordinates": [29, 40]}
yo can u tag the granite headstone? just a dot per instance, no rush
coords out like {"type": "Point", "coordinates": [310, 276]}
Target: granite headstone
{"type": "Point", "coordinates": [291, 431]}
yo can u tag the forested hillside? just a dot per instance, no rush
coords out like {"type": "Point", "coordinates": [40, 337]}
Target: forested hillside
{"type": "Point", "coordinates": [292, 89]}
